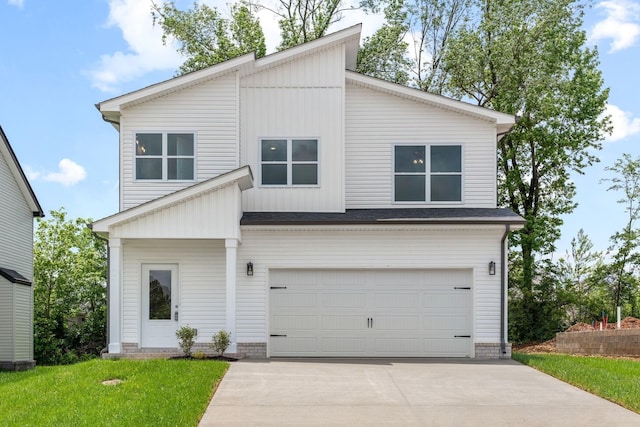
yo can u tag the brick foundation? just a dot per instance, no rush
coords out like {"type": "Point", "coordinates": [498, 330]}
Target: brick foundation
{"type": "Point", "coordinates": [131, 351]}
{"type": "Point", "coordinates": [492, 351]}
{"type": "Point", "coordinates": [620, 342]}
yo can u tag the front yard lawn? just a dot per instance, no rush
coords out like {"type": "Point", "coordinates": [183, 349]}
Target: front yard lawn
{"type": "Point", "coordinates": [617, 380]}
{"type": "Point", "coordinates": [153, 392]}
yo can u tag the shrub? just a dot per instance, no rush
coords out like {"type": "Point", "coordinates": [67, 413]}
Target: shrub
{"type": "Point", "coordinates": [186, 338]}
{"type": "Point", "coordinates": [221, 340]}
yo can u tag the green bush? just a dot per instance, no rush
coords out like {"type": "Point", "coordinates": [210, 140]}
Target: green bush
{"type": "Point", "coordinates": [221, 341]}
{"type": "Point", "coordinates": [186, 339]}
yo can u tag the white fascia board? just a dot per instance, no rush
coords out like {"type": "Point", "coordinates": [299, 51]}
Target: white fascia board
{"type": "Point", "coordinates": [503, 121]}
{"type": "Point", "coordinates": [243, 177]}
{"type": "Point", "coordinates": [349, 36]}
{"type": "Point", "coordinates": [115, 105]}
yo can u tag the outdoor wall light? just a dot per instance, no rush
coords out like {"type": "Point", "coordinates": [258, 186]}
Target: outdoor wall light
{"type": "Point", "coordinates": [492, 268]}
{"type": "Point", "coordinates": [249, 269]}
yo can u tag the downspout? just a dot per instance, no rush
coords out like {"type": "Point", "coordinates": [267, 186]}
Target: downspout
{"type": "Point", "coordinates": [503, 283]}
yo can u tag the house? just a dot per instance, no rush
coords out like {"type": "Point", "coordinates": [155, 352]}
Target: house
{"type": "Point", "coordinates": [18, 208]}
{"type": "Point", "coordinates": [308, 210]}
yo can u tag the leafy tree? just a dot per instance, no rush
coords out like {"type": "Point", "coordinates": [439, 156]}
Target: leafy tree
{"type": "Point", "coordinates": [205, 38]}
{"type": "Point", "coordinates": [383, 55]}
{"type": "Point", "coordinates": [430, 23]}
{"type": "Point", "coordinates": [576, 271]}
{"type": "Point", "coordinates": [70, 272]}
{"type": "Point", "coordinates": [529, 58]}
{"type": "Point", "coordinates": [621, 275]}
{"type": "Point", "coordinates": [301, 21]}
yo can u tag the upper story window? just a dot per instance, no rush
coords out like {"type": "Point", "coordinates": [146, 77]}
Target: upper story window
{"type": "Point", "coordinates": [165, 156]}
{"type": "Point", "coordinates": [289, 162]}
{"type": "Point", "coordinates": [428, 173]}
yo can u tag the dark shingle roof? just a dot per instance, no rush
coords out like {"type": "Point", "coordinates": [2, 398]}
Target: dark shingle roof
{"type": "Point", "coordinates": [386, 216]}
{"type": "Point", "coordinates": [14, 277]}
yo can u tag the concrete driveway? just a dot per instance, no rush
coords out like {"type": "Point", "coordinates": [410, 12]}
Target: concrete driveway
{"type": "Point", "coordinates": [423, 392]}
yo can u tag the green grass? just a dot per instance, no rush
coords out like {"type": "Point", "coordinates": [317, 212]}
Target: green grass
{"type": "Point", "coordinates": [616, 380]}
{"type": "Point", "coordinates": [154, 392]}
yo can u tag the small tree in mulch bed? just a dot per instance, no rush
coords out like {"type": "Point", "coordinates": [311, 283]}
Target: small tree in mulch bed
{"type": "Point", "coordinates": [186, 339]}
{"type": "Point", "coordinates": [221, 340]}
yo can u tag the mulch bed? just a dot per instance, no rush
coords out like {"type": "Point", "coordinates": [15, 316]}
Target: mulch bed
{"type": "Point", "coordinates": [550, 346]}
{"type": "Point", "coordinates": [223, 358]}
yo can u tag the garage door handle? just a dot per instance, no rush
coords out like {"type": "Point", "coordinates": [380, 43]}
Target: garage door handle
{"type": "Point", "coordinates": [275, 335]}
{"type": "Point", "coordinates": [462, 287]}
{"type": "Point", "coordinates": [462, 336]}
{"type": "Point", "coordinates": [369, 322]}
{"type": "Point", "coordinates": [278, 287]}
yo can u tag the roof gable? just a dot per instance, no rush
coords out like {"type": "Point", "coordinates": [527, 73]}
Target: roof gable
{"type": "Point", "coordinates": [242, 177]}
{"type": "Point", "coordinates": [244, 65]}
{"type": "Point", "coordinates": [504, 122]}
{"type": "Point", "coordinates": [16, 170]}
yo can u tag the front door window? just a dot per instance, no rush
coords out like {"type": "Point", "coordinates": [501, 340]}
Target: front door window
{"type": "Point", "coordinates": [159, 294]}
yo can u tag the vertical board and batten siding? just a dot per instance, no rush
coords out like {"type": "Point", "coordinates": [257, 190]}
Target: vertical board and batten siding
{"type": "Point", "coordinates": [427, 247]}
{"type": "Point", "coordinates": [215, 214]}
{"type": "Point", "coordinates": [209, 110]}
{"type": "Point", "coordinates": [201, 288]}
{"type": "Point", "coordinates": [300, 99]}
{"type": "Point", "coordinates": [376, 121]}
{"type": "Point", "coordinates": [16, 253]}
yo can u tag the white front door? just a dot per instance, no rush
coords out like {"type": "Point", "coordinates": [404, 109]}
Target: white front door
{"type": "Point", "coordinates": [160, 310]}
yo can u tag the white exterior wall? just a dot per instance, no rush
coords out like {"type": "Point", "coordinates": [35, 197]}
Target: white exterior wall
{"type": "Point", "coordinates": [16, 253]}
{"type": "Point", "coordinates": [215, 214]}
{"type": "Point", "coordinates": [302, 99]}
{"type": "Point", "coordinates": [6, 320]}
{"type": "Point", "coordinates": [209, 110]}
{"type": "Point", "coordinates": [362, 247]}
{"type": "Point", "coordinates": [201, 281]}
{"type": "Point", "coordinates": [376, 121]}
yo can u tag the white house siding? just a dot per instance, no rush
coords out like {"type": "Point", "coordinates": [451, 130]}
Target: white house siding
{"type": "Point", "coordinates": [301, 99]}
{"type": "Point", "coordinates": [209, 110]}
{"type": "Point", "coordinates": [375, 121]}
{"type": "Point", "coordinates": [365, 247]}
{"type": "Point", "coordinates": [23, 339]}
{"type": "Point", "coordinates": [210, 215]}
{"type": "Point", "coordinates": [201, 270]}
{"type": "Point", "coordinates": [6, 320]}
{"type": "Point", "coordinates": [16, 225]}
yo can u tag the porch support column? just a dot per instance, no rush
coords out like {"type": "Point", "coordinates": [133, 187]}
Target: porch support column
{"type": "Point", "coordinates": [115, 284]}
{"type": "Point", "coordinates": [232, 255]}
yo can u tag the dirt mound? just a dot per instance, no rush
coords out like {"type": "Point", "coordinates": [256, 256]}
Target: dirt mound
{"type": "Point", "coordinates": [630, 323]}
{"type": "Point", "coordinates": [579, 327]}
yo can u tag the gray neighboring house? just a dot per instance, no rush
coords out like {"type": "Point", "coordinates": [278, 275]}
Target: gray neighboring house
{"type": "Point", "coordinates": [18, 208]}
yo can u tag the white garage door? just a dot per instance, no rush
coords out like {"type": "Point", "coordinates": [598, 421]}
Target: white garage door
{"type": "Point", "coordinates": [370, 313]}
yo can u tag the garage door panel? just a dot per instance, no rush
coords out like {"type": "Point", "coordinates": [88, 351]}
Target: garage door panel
{"type": "Point", "coordinates": [294, 300]}
{"type": "Point", "coordinates": [374, 313]}
{"type": "Point", "coordinates": [289, 322]}
{"type": "Point", "coordinates": [396, 300]}
{"type": "Point", "coordinates": [343, 322]}
{"type": "Point", "coordinates": [337, 346]}
{"type": "Point", "coordinates": [456, 324]}
{"type": "Point", "coordinates": [395, 346]}
{"type": "Point", "coordinates": [396, 323]}
{"type": "Point", "coordinates": [344, 300]}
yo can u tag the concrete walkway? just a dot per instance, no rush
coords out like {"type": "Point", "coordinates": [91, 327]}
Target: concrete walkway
{"type": "Point", "coordinates": [424, 392]}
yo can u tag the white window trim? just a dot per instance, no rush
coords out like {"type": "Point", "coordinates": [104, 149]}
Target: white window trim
{"type": "Point", "coordinates": [165, 156]}
{"type": "Point", "coordinates": [289, 162]}
{"type": "Point", "coordinates": [427, 173]}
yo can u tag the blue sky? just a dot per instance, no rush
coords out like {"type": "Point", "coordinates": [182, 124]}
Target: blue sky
{"type": "Point", "coordinates": [58, 59]}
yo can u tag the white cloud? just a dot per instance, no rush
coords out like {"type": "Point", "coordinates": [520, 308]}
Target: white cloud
{"type": "Point", "coordinates": [32, 175]}
{"type": "Point", "coordinates": [18, 3]}
{"type": "Point", "coordinates": [70, 173]}
{"type": "Point", "coordinates": [145, 52]}
{"type": "Point", "coordinates": [623, 122]}
{"type": "Point", "coordinates": [621, 25]}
